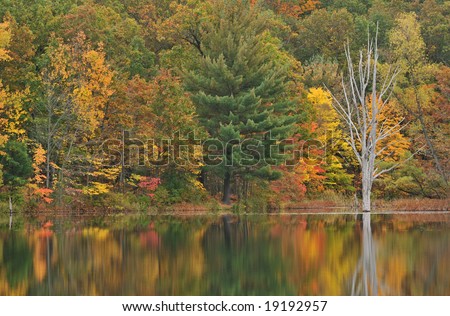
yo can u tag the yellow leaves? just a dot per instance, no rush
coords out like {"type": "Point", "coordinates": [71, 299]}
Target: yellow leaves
{"type": "Point", "coordinates": [79, 79]}
{"type": "Point", "coordinates": [102, 175]}
{"type": "Point", "coordinates": [92, 92]}
{"type": "Point", "coordinates": [331, 136]}
{"type": "Point", "coordinates": [317, 96]}
{"type": "Point", "coordinates": [12, 114]}
{"type": "Point", "coordinates": [391, 147]}
{"type": "Point", "coordinates": [406, 41]}
{"type": "Point", "coordinates": [134, 180]}
{"type": "Point", "coordinates": [98, 73]}
{"type": "Point", "coordinates": [327, 117]}
{"type": "Point", "coordinates": [90, 115]}
{"type": "Point", "coordinates": [58, 71]}
{"type": "Point", "coordinates": [34, 189]}
{"type": "Point", "coordinates": [197, 184]}
{"type": "Point", "coordinates": [97, 188]}
{"type": "Point", "coordinates": [109, 174]}
{"type": "Point", "coordinates": [5, 39]}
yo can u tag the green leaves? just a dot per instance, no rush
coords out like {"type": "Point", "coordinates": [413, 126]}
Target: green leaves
{"type": "Point", "coordinates": [17, 165]}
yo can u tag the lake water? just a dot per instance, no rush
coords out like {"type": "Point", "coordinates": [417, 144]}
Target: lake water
{"type": "Point", "coordinates": [328, 254]}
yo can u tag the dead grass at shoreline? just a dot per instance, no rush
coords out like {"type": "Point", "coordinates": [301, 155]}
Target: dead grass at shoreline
{"type": "Point", "coordinates": [313, 206]}
{"type": "Point", "coordinates": [322, 206]}
{"type": "Point", "coordinates": [403, 205]}
{"type": "Point", "coordinates": [414, 205]}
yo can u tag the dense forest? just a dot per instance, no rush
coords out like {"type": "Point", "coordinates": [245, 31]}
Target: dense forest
{"type": "Point", "coordinates": [133, 104]}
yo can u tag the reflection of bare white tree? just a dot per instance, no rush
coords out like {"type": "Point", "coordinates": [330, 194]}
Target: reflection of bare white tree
{"type": "Point", "coordinates": [365, 280]}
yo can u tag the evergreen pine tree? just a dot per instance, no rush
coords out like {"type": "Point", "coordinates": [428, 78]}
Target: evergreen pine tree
{"type": "Point", "coordinates": [17, 164]}
{"type": "Point", "coordinates": [239, 86]}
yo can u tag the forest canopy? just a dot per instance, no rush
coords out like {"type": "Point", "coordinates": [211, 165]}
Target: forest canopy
{"type": "Point", "coordinates": [132, 104]}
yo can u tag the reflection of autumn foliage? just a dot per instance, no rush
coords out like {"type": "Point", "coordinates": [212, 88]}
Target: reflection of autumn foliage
{"type": "Point", "coordinates": [295, 255]}
{"type": "Point", "coordinates": [150, 238]}
{"type": "Point", "coordinates": [322, 259]}
{"type": "Point", "coordinates": [413, 261]}
{"type": "Point", "coordinates": [41, 242]}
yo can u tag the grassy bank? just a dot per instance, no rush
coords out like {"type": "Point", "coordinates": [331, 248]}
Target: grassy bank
{"type": "Point", "coordinates": [214, 207]}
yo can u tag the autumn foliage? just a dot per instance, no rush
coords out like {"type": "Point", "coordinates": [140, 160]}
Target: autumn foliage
{"type": "Point", "coordinates": [76, 75]}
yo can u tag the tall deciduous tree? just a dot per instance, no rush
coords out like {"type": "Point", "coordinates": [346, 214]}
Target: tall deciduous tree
{"type": "Point", "coordinates": [18, 71]}
{"type": "Point", "coordinates": [409, 50]}
{"type": "Point", "coordinates": [323, 32]}
{"type": "Point", "coordinates": [337, 152]}
{"type": "Point", "coordinates": [239, 89]}
{"type": "Point", "coordinates": [76, 82]}
{"type": "Point", "coordinates": [13, 116]}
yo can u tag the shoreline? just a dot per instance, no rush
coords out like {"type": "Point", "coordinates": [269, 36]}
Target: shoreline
{"type": "Point", "coordinates": [313, 207]}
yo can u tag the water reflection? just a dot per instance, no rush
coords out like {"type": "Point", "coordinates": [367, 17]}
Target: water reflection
{"type": "Point", "coordinates": [365, 279]}
{"type": "Point", "coordinates": [273, 255]}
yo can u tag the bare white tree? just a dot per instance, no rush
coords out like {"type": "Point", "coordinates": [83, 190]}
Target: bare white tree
{"type": "Point", "coordinates": [361, 113]}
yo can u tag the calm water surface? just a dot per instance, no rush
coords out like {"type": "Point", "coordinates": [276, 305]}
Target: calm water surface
{"type": "Point", "coordinates": [247, 255]}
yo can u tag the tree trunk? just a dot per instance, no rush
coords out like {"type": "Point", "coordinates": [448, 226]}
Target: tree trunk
{"type": "Point", "coordinates": [420, 115]}
{"type": "Point", "coordinates": [47, 169]}
{"type": "Point", "coordinates": [433, 152]}
{"type": "Point", "coordinates": [10, 212]}
{"type": "Point", "coordinates": [227, 188]}
{"type": "Point", "coordinates": [366, 199]}
{"type": "Point", "coordinates": [366, 188]}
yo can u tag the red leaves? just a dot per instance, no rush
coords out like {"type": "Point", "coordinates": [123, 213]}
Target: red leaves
{"type": "Point", "coordinates": [149, 185]}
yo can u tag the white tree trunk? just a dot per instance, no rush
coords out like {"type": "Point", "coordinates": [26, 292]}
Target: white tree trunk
{"type": "Point", "coordinates": [10, 212]}
{"type": "Point", "coordinates": [366, 189]}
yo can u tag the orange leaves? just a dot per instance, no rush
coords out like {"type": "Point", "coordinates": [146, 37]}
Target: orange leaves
{"type": "Point", "coordinates": [44, 193]}
{"type": "Point", "coordinates": [34, 188]}
{"type": "Point", "coordinates": [294, 8]}
{"type": "Point", "coordinates": [5, 38]}
{"type": "Point", "coordinates": [396, 144]}
{"type": "Point", "coordinates": [38, 193]}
